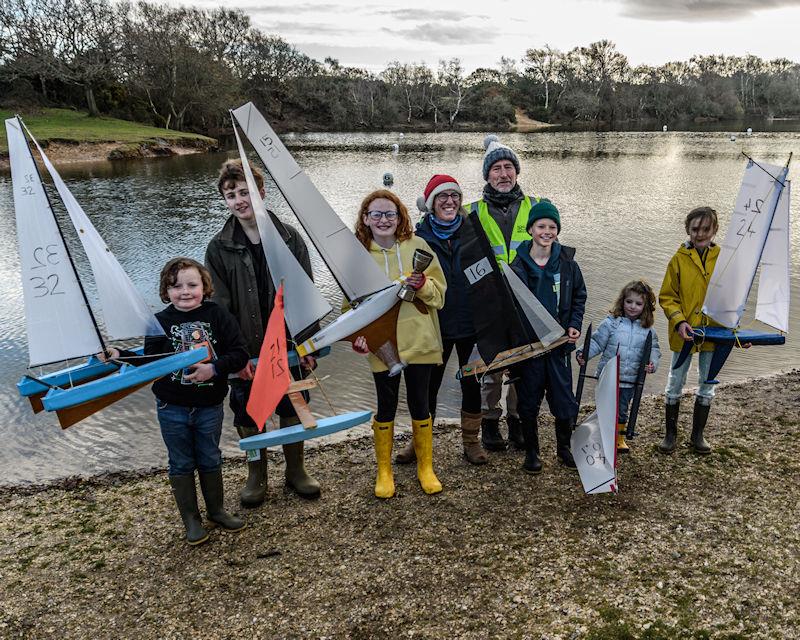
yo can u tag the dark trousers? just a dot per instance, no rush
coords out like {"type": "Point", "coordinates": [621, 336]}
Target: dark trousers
{"type": "Point", "coordinates": [240, 394]}
{"type": "Point", "coordinates": [417, 377]}
{"type": "Point", "coordinates": [548, 375]}
{"type": "Point", "coordinates": [470, 389]}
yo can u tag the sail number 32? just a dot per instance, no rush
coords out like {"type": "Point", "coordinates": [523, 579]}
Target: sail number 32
{"type": "Point", "coordinates": [45, 285]}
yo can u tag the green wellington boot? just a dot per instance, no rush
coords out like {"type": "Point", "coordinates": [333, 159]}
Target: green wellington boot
{"type": "Point", "coordinates": [699, 419]}
{"type": "Point", "coordinates": [296, 477]}
{"type": "Point", "coordinates": [255, 488]}
{"type": "Point", "coordinates": [185, 494]}
{"type": "Point", "coordinates": [213, 494]}
{"type": "Point", "coordinates": [670, 440]}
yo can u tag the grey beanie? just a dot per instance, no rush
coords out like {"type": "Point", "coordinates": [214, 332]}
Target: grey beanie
{"type": "Point", "coordinates": [496, 151]}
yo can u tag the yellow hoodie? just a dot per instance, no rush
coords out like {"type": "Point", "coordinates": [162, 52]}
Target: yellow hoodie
{"type": "Point", "coordinates": [418, 338]}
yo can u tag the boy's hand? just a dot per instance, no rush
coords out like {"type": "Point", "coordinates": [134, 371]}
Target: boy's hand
{"type": "Point", "coordinates": [360, 345]}
{"type": "Point", "coordinates": [684, 330]}
{"type": "Point", "coordinates": [109, 354]}
{"type": "Point", "coordinates": [200, 372]}
{"type": "Point", "coordinates": [650, 367]}
{"type": "Point", "coordinates": [573, 334]}
{"type": "Point", "coordinates": [309, 363]}
{"type": "Point", "coordinates": [248, 372]}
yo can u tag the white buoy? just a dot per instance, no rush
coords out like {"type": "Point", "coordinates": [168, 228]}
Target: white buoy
{"type": "Point", "coordinates": [402, 135]}
{"type": "Point", "coordinates": [733, 138]}
{"type": "Point", "coordinates": [664, 128]}
{"type": "Point", "coordinates": [749, 131]}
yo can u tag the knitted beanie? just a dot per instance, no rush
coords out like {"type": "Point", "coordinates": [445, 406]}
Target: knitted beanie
{"type": "Point", "coordinates": [438, 183]}
{"type": "Point", "coordinates": [544, 209]}
{"type": "Point", "coordinates": [496, 151]}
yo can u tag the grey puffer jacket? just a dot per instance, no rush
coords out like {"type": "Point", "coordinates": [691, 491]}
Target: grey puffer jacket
{"type": "Point", "coordinates": [628, 337]}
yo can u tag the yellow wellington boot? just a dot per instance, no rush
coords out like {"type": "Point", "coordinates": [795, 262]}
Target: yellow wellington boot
{"type": "Point", "coordinates": [423, 445]}
{"type": "Point", "coordinates": [384, 433]}
{"type": "Point", "coordinates": [622, 446]}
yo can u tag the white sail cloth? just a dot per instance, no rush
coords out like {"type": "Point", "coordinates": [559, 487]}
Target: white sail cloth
{"type": "Point", "coordinates": [304, 305]}
{"type": "Point", "coordinates": [351, 265]}
{"type": "Point", "coordinates": [125, 312]}
{"type": "Point", "coordinates": [58, 321]}
{"type": "Point", "coordinates": [772, 305]}
{"type": "Point", "coordinates": [544, 325]}
{"type": "Point", "coordinates": [744, 243]}
{"type": "Point", "coordinates": [594, 441]}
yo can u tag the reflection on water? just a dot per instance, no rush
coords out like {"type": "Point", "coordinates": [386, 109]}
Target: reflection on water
{"type": "Point", "coordinates": [622, 198]}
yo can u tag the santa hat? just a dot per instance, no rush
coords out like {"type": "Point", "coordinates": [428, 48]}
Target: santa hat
{"type": "Point", "coordinates": [496, 151]}
{"type": "Point", "coordinates": [438, 183]}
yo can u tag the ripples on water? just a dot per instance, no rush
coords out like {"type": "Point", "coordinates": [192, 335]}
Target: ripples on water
{"type": "Point", "coordinates": [622, 198]}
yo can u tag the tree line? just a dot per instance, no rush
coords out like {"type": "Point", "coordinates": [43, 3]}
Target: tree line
{"type": "Point", "coordinates": [182, 68]}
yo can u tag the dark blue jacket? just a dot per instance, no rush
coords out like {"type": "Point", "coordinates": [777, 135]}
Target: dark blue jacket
{"type": "Point", "coordinates": [572, 296]}
{"type": "Point", "coordinates": [455, 318]}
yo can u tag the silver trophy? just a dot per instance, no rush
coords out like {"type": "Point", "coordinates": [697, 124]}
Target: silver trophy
{"type": "Point", "coordinates": [420, 261]}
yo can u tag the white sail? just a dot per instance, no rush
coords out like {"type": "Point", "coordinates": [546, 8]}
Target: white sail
{"type": "Point", "coordinates": [544, 325]}
{"type": "Point", "coordinates": [772, 306]}
{"type": "Point", "coordinates": [303, 303]}
{"type": "Point", "coordinates": [356, 272]}
{"type": "Point", "coordinates": [125, 312]}
{"type": "Point", "coordinates": [593, 442]}
{"type": "Point", "coordinates": [744, 243]}
{"type": "Point", "coordinates": [58, 321]}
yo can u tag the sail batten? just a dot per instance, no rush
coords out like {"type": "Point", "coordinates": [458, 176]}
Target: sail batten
{"type": "Point", "coordinates": [357, 274]}
{"type": "Point", "coordinates": [58, 320]}
{"type": "Point", "coordinates": [304, 304]}
{"type": "Point", "coordinates": [125, 312]}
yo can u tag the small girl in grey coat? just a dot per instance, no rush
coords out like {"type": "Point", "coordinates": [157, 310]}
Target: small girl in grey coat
{"type": "Point", "coordinates": [625, 331]}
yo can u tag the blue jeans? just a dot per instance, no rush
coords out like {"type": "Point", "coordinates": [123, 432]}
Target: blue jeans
{"type": "Point", "coordinates": [192, 437]}
{"type": "Point", "coordinates": [625, 398]}
{"type": "Point", "coordinates": [677, 378]}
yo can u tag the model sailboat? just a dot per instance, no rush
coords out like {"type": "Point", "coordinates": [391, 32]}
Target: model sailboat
{"type": "Point", "coordinates": [372, 296]}
{"type": "Point", "coordinates": [758, 234]}
{"type": "Point", "coordinates": [302, 308]}
{"type": "Point", "coordinates": [60, 322]}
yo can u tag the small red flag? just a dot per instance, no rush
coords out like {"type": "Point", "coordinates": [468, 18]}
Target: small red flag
{"type": "Point", "coordinates": [272, 378]}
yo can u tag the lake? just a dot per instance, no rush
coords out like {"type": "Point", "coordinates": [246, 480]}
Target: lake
{"type": "Point", "coordinates": [622, 198]}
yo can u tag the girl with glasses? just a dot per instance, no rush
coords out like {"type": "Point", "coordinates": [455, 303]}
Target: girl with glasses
{"type": "Point", "coordinates": [384, 228]}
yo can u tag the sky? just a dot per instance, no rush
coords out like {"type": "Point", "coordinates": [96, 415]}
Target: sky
{"type": "Point", "coordinates": [371, 34]}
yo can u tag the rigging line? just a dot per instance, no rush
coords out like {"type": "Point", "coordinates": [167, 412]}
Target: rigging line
{"type": "Point", "coordinates": [783, 184]}
{"type": "Point", "coordinates": [63, 239]}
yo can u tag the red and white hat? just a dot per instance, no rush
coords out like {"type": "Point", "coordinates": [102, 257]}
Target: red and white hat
{"type": "Point", "coordinates": [438, 183]}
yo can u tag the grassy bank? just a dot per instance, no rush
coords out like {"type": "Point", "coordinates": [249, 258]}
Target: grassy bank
{"type": "Point", "coordinates": [692, 547]}
{"type": "Point", "coordinates": [74, 127]}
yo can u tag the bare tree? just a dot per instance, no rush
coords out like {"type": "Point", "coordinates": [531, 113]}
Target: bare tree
{"type": "Point", "coordinates": [543, 63]}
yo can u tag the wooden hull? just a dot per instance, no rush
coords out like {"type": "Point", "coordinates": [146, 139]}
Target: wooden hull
{"type": "Point", "coordinates": [506, 358]}
{"type": "Point", "coordinates": [298, 433]}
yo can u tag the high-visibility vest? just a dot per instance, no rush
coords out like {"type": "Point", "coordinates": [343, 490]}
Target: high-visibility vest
{"type": "Point", "coordinates": [519, 234]}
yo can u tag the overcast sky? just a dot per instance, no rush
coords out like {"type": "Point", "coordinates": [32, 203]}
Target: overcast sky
{"type": "Point", "coordinates": [371, 34]}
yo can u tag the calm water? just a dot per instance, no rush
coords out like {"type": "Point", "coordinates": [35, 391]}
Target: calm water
{"type": "Point", "coordinates": [622, 198]}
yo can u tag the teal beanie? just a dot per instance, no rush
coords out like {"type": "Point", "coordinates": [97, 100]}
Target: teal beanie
{"type": "Point", "coordinates": [544, 209]}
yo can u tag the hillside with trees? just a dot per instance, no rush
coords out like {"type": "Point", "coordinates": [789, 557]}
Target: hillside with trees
{"type": "Point", "coordinates": [182, 68]}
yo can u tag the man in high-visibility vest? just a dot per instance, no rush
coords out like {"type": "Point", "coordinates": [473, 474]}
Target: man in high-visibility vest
{"type": "Point", "coordinates": [503, 212]}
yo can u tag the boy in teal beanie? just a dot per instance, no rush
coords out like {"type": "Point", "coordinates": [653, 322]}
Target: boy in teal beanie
{"type": "Point", "coordinates": [544, 209]}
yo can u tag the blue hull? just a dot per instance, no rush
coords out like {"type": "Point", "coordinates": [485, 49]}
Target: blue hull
{"type": "Point", "coordinates": [128, 376]}
{"type": "Point", "coordinates": [724, 340]}
{"type": "Point", "coordinates": [297, 433]}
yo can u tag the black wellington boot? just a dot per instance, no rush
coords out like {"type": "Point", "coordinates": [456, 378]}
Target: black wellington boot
{"type": "Point", "coordinates": [563, 435]}
{"type": "Point", "coordinates": [490, 435]}
{"type": "Point", "coordinates": [515, 437]}
{"type": "Point", "coordinates": [671, 428]}
{"type": "Point", "coordinates": [185, 494]}
{"type": "Point", "coordinates": [211, 484]}
{"type": "Point", "coordinates": [530, 432]}
{"type": "Point", "coordinates": [699, 419]}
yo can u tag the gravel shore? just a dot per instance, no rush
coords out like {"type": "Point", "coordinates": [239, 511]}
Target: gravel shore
{"type": "Point", "coordinates": [691, 547]}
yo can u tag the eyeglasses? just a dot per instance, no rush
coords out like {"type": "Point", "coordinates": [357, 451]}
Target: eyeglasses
{"type": "Point", "coordinates": [444, 197]}
{"type": "Point", "coordinates": [377, 215]}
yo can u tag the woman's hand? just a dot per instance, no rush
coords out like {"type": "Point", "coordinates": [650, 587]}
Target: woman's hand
{"type": "Point", "coordinates": [684, 330]}
{"type": "Point", "coordinates": [573, 334]}
{"type": "Point", "coordinates": [109, 354]}
{"type": "Point", "coordinates": [360, 345]}
{"type": "Point", "coordinates": [200, 372]}
{"type": "Point", "coordinates": [415, 280]}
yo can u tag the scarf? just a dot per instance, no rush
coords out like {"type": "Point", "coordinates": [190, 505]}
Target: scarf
{"type": "Point", "coordinates": [443, 230]}
{"type": "Point", "coordinates": [500, 199]}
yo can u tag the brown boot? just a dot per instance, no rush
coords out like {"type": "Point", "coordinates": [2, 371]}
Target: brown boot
{"type": "Point", "coordinates": [470, 427]}
{"type": "Point", "coordinates": [406, 455]}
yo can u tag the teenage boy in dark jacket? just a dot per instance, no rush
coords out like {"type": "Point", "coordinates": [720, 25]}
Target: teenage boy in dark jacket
{"type": "Point", "coordinates": [243, 285]}
{"type": "Point", "coordinates": [549, 270]}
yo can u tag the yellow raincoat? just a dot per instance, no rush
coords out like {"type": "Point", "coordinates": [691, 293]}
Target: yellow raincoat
{"type": "Point", "coordinates": [684, 290]}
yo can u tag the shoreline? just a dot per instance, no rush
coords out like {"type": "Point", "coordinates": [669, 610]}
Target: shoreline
{"type": "Point", "coordinates": [692, 546]}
